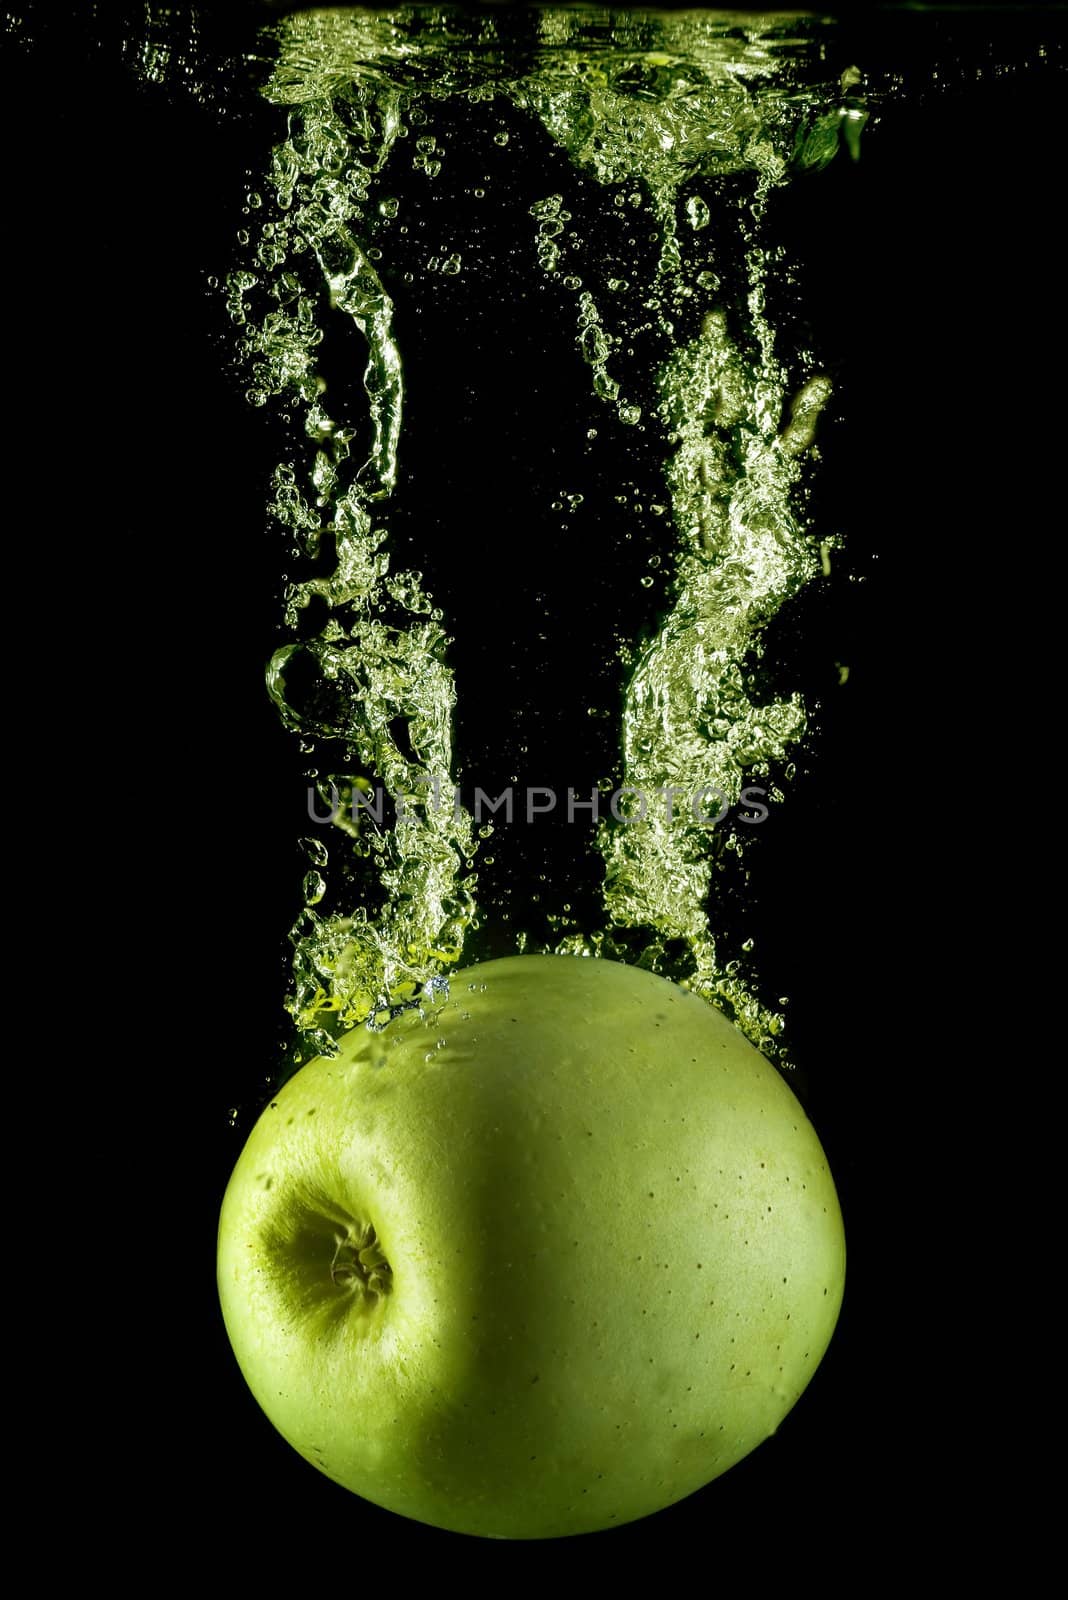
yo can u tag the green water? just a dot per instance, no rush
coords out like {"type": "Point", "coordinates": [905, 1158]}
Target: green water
{"type": "Point", "coordinates": [688, 122]}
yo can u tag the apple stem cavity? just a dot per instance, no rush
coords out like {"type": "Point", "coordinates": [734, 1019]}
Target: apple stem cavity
{"type": "Point", "coordinates": [359, 1265]}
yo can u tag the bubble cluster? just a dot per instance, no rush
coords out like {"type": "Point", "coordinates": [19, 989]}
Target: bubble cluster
{"type": "Point", "coordinates": [685, 123]}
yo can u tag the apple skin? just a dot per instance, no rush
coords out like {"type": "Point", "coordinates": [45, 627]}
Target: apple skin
{"type": "Point", "coordinates": [615, 1252]}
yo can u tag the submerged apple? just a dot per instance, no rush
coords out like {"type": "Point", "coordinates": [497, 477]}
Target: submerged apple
{"type": "Point", "coordinates": [540, 1263]}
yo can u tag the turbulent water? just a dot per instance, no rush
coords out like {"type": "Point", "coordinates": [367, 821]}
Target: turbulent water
{"type": "Point", "coordinates": [682, 125]}
{"type": "Point", "coordinates": [687, 122]}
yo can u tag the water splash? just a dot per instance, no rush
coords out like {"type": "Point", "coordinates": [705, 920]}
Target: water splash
{"type": "Point", "coordinates": [687, 122]}
{"type": "Point", "coordinates": [712, 101]}
{"type": "Point", "coordinates": [376, 676]}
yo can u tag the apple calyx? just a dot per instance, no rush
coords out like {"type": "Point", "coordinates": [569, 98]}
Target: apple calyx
{"type": "Point", "coordinates": [359, 1263]}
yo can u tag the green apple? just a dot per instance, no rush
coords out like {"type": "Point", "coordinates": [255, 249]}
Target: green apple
{"type": "Point", "coordinates": [541, 1261]}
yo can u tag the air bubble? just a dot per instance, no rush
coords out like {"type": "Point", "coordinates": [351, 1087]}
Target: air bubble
{"type": "Point", "coordinates": [698, 213]}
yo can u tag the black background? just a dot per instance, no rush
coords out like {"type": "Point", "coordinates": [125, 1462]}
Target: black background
{"type": "Point", "coordinates": [930, 280]}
